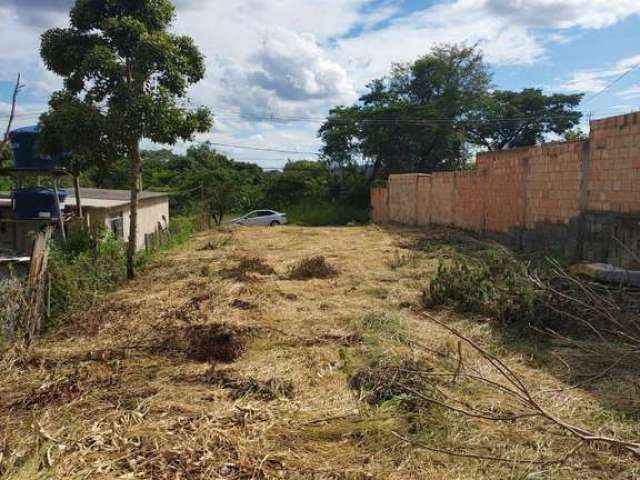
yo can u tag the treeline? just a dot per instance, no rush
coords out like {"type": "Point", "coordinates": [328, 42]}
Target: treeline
{"type": "Point", "coordinates": [205, 180]}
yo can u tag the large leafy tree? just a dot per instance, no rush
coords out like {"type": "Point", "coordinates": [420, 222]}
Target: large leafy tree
{"type": "Point", "coordinates": [118, 57]}
{"type": "Point", "coordinates": [210, 181]}
{"type": "Point", "coordinates": [505, 119]}
{"type": "Point", "coordinates": [409, 120]}
{"type": "Point", "coordinates": [301, 182]}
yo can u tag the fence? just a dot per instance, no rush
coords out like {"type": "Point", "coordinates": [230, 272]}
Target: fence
{"type": "Point", "coordinates": [25, 303]}
{"type": "Point", "coordinates": [583, 197]}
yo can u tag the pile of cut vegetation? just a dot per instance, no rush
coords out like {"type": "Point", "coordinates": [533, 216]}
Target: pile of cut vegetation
{"type": "Point", "coordinates": [312, 267]}
{"type": "Point", "coordinates": [248, 269]}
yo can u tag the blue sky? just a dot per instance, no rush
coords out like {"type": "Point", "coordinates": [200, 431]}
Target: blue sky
{"type": "Point", "coordinates": [272, 60]}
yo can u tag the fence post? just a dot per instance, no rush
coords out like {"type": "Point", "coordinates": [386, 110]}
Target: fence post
{"type": "Point", "coordinates": [38, 283]}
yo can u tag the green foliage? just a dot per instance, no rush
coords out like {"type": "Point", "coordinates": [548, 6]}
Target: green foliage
{"type": "Point", "coordinates": [494, 284]}
{"type": "Point", "coordinates": [128, 75]}
{"type": "Point", "coordinates": [428, 115]}
{"type": "Point", "coordinates": [575, 135]}
{"type": "Point", "coordinates": [91, 263]}
{"type": "Point", "coordinates": [204, 180]}
{"type": "Point", "coordinates": [408, 121]}
{"type": "Point", "coordinates": [5, 184]}
{"type": "Point", "coordinates": [79, 277]}
{"type": "Point", "coordinates": [301, 182]}
{"type": "Point", "coordinates": [127, 72]}
{"type": "Point", "coordinates": [326, 214]}
{"type": "Point", "coordinates": [504, 119]}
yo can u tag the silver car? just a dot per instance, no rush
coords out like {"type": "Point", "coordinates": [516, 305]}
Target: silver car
{"type": "Point", "coordinates": [261, 217]}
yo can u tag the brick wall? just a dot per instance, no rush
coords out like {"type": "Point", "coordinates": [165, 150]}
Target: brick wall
{"type": "Point", "coordinates": [575, 195]}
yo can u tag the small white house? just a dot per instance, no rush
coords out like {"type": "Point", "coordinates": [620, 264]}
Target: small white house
{"type": "Point", "coordinates": [111, 208]}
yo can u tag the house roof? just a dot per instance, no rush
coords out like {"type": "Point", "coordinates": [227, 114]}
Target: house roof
{"type": "Point", "coordinates": [96, 197]}
{"type": "Point", "coordinates": [122, 195]}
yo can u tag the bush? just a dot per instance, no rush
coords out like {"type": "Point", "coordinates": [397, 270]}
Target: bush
{"type": "Point", "coordinates": [326, 214]}
{"type": "Point", "coordinates": [499, 289]}
{"type": "Point", "coordinates": [91, 263]}
{"type": "Point", "coordinates": [76, 280]}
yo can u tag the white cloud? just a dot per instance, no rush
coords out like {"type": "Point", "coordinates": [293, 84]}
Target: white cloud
{"type": "Point", "coordinates": [630, 93]}
{"type": "Point", "coordinates": [299, 58]}
{"type": "Point", "coordinates": [595, 80]}
{"type": "Point", "coordinates": [293, 67]}
{"type": "Point", "coordinates": [561, 13]}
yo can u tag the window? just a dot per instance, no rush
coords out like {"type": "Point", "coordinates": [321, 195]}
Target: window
{"type": "Point", "coordinates": [264, 213]}
{"type": "Point", "coordinates": [116, 225]}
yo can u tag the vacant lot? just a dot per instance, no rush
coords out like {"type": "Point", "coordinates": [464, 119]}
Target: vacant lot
{"type": "Point", "coordinates": [230, 359]}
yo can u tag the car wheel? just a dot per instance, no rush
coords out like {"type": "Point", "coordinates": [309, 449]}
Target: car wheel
{"type": "Point", "coordinates": [275, 223]}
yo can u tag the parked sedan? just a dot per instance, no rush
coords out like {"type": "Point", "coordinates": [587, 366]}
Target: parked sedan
{"type": "Point", "coordinates": [261, 217]}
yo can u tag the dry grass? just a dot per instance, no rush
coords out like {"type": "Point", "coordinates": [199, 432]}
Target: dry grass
{"type": "Point", "coordinates": [171, 378]}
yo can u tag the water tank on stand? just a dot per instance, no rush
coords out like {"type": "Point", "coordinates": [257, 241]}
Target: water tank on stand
{"type": "Point", "coordinates": [25, 154]}
{"type": "Point", "coordinates": [37, 203]}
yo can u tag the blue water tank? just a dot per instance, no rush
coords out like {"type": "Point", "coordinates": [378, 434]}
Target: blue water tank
{"type": "Point", "coordinates": [23, 144]}
{"type": "Point", "coordinates": [37, 203]}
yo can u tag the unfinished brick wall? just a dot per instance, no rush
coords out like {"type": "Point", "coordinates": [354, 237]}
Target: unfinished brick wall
{"type": "Point", "coordinates": [578, 196]}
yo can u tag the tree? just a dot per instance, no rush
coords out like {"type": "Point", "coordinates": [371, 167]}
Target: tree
{"type": "Point", "coordinates": [301, 181]}
{"type": "Point", "coordinates": [409, 121]}
{"type": "Point", "coordinates": [73, 130]}
{"type": "Point", "coordinates": [505, 119]}
{"type": "Point", "coordinates": [575, 135]}
{"type": "Point", "coordinates": [211, 181]}
{"type": "Point", "coordinates": [118, 56]}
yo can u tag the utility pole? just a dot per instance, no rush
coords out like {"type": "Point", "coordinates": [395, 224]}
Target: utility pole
{"type": "Point", "coordinates": [16, 91]}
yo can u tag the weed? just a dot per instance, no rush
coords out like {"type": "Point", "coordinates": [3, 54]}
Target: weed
{"type": "Point", "coordinates": [312, 267]}
{"type": "Point", "coordinates": [378, 292]}
{"type": "Point", "coordinates": [242, 304]}
{"type": "Point", "coordinates": [215, 244]}
{"type": "Point", "coordinates": [323, 214]}
{"type": "Point", "coordinates": [189, 311]}
{"type": "Point", "coordinates": [399, 259]}
{"type": "Point", "coordinates": [381, 321]}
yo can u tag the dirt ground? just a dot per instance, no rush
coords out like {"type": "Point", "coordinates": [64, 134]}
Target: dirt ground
{"type": "Point", "coordinates": [215, 365]}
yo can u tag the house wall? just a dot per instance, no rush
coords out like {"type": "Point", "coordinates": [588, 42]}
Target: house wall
{"type": "Point", "coordinates": [150, 212]}
{"type": "Point", "coordinates": [18, 237]}
{"type": "Point", "coordinates": [582, 197]}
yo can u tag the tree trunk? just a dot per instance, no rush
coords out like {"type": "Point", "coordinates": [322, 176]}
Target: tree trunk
{"type": "Point", "coordinates": [135, 183]}
{"type": "Point", "coordinates": [76, 187]}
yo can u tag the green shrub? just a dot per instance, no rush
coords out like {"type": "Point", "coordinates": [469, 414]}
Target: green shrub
{"type": "Point", "coordinates": [326, 214]}
{"type": "Point", "coordinates": [498, 288]}
{"type": "Point", "coordinates": [76, 280]}
{"type": "Point", "coordinates": [91, 263]}
{"type": "Point", "coordinates": [181, 228]}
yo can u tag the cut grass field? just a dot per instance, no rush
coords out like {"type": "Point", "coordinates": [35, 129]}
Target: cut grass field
{"type": "Point", "coordinates": [222, 363]}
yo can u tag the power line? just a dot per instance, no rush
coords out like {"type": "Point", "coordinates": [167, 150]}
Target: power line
{"type": "Point", "coordinates": [616, 80]}
{"type": "Point", "coordinates": [381, 121]}
{"type": "Point", "coordinates": [261, 149]}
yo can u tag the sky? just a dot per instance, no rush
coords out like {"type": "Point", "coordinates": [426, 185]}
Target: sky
{"type": "Point", "coordinates": [275, 67]}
